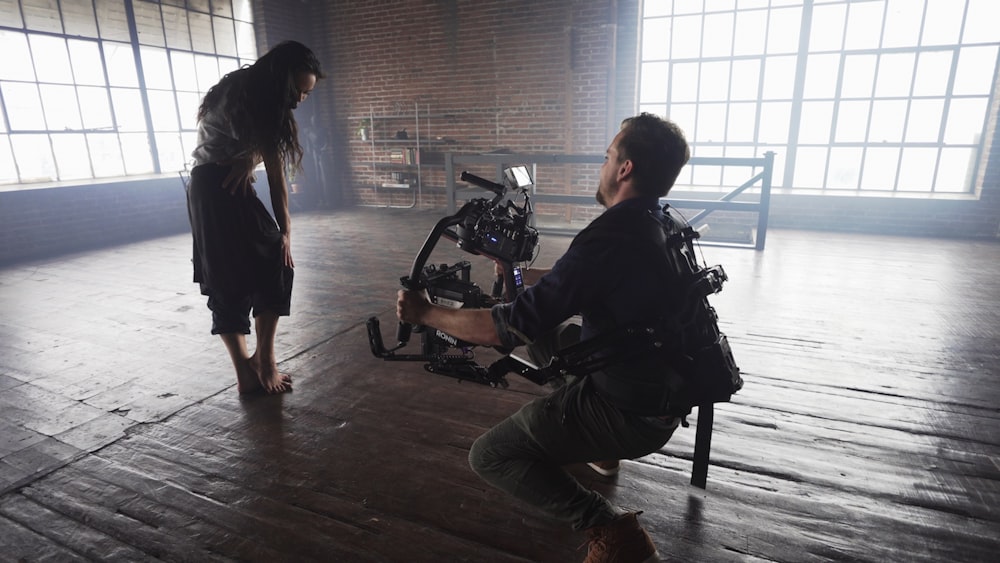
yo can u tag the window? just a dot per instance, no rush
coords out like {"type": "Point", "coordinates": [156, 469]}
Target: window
{"type": "Point", "coordinates": [107, 88]}
{"type": "Point", "coordinates": [863, 95]}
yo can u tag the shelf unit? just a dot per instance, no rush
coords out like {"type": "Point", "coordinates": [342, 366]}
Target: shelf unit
{"type": "Point", "coordinates": [398, 154]}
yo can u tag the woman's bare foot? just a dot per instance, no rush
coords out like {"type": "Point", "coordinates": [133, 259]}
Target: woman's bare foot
{"type": "Point", "coordinates": [268, 377]}
{"type": "Point", "coordinates": [247, 380]}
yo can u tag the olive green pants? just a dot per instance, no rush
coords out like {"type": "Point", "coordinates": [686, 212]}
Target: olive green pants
{"type": "Point", "coordinates": [524, 455]}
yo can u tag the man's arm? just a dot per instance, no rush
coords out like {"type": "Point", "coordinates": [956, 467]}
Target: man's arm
{"type": "Point", "coordinates": [471, 325]}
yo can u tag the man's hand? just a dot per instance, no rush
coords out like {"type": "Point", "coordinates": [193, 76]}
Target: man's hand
{"type": "Point", "coordinates": [412, 306]}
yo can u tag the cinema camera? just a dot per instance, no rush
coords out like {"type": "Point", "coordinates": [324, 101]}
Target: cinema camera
{"type": "Point", "coordinates": [497, 229]}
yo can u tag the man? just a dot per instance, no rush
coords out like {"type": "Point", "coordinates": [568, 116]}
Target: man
{"type": "Point", "coordinates": [613, 274]}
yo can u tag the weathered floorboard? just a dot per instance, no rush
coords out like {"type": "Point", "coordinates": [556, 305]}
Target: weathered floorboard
{"type": "Point", "coordinates": [867, 431]}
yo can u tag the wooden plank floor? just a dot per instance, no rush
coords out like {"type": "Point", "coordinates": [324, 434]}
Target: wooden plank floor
{"type": "Point", "coordinates": [867, 431]}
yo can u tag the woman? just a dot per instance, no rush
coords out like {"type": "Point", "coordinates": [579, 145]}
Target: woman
{"type": "Point", "coordinates": [242, 255]}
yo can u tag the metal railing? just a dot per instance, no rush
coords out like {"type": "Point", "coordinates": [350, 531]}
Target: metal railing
{"type": "Point", "coordinates": [725, 203]}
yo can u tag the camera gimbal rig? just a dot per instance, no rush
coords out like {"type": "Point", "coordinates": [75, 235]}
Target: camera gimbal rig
{"type": "Point", "coordinates": [500, 231]}
{"type": "Point", "coordinates": [495, 228]}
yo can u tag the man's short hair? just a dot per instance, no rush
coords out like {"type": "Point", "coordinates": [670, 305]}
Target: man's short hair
{"type": "Point", "coordinates": [657, 149]}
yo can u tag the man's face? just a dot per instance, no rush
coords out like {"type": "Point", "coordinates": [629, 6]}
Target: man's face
{"type": "Point", "coordinates": [608, 186]}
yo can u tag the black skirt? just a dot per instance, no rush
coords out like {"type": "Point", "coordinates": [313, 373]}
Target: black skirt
{"type": "Point", "coordinates": [237, 244]}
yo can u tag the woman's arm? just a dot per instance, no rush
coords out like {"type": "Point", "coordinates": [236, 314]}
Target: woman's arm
{"type": "Point", "coordinates": [279, 203]}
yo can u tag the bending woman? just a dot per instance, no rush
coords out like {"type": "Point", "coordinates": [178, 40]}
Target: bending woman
{"type": "Point", "coordinates": [242, 255]}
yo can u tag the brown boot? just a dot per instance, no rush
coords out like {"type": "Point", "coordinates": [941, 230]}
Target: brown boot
{"type": "Point", "coordinates": [622, 540]}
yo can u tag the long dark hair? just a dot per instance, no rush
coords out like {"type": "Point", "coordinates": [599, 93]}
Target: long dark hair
{"type": "Point", "coordinates": [259, 98]}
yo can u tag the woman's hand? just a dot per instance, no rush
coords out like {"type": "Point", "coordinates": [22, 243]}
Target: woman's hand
{"type": "Point", "coordinates": [286, 250]}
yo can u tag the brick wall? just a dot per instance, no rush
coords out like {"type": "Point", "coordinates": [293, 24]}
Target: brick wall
{"type": "Point", "coordinates": [551, 77]}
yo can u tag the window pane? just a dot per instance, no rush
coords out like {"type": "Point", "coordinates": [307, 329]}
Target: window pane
{"type": "Point", "coordinates": [79, 18]}
{"type": "Point", "coordinates": [188, 104]}
{"type": "Point", "coordinates": [175, 25]}
{"type": "Point", "coordinates": [879, 171]}
{"type": "Point", "coordinates": [51, 59]}
{"type": "Point", "coordinates": [61, 109]}
{"type": "Point", "coordinates": [200, 5]}
{"type": "Point", "coordinates": [711, 123]}
{"type": "Point", "coordinates": [859, 76]}
{"type": "Point", "coordinates": [902, 23]}
{"type": "Point", "coordinates": [225, 36]}
{"type": "Point", "coordinates": [817, 118]}
{"type": "Point", "coordinates": [10, 14]}
{"type": "Point", "coordinates": [182, 65]}
{"type": "Point", "coordinates": [707, 175]}
{"type": "Point", "coordinates": [895, 72]}
{"type": "Point", "coordinates": [656, 39]}
{"type": "Point", "coordinates": [111, 22]}
{"type": "Point", "coordinates": [8, 170]}
{"type": "Point", "coordinates": [189, 140]}
{"type": "Point", "coordinates": [34, 158]}
{"type": "Point", "coordinates": [751, 28]}
{"type": "Point", "coordinates": [714, 81]}
{"type": "Point", "coordinates": [171, 153]}
{"type": "Point", "coordinates": [24, 107]}
{"type": "Point", "coordinates": [933, 69]}
{"type": "Point", "coordinates": [42, 15]}
{"type": "Point", "coordinates": [942, 23]}
{"type": "Point", "coordinates": [746, 80]}
{"type": "Point", "coordinates": [155, 68]}
{"type": "Point", "coordinates": [965, 121]}
{"type": "Point", "coordinates": [774, 122]}
{"type": "Point", "coordinates": [821, 76]}
{"type": "Point", "coordinates": [222, 8]}
{"type": "Point", "coordinates": [106, 155]}
{"type": "Point", "coordinates": [202, 39]}
{"type": "Point", "coordinates": [956, 169]}
{"type": "Point", "coordinates": [924, 123]}
{"type": "Point", "coordinates": [975, 64]}
{"type": "Point", "coordinates": [845, 168]}
{"type": "Point", "coordinates": [864, 25]}
{"type": "Point", "coordinates": [163, 110]}
{"type": "Point", "coordinates": [779, 77]}
{"type": "Point", "coordinates": [888, 118]}
{"type": "Point", "coordinates": [128, 109]}
{"type": "Point", "coordinates": [684, 115]}
{"type": "Point", "coordinates": [654, 82]}
{"type": "Point", "coordinates": [827, 29]}
{"type": "Point", "coordinates": [72, 158]}
{"type": "Point", "coordinates": [685, 82]}
{"type": "Point", "coordinates": [916, 172]}
{"type": "Point", "coordinates": [981, 21]}
{"type": "Point", "coordinates": [852, 121]}
{"type": "Point", "coordinates": [121, 64]}
{"type": "Point", "coordinates": [717, 38]}
{"type": "Point", "coordinates": [246, 44]}
{"type": "Point", "coordinates": [243, 11]}
{"type": "Point", "coordinates": [810, 166]}
{"type": "Point", "coordinates": [138, 157]}
{"type": "Point", "coordinates": [17, 58]}
{"type": "Point", "coordinates": [148, 23]}
{"type": "Point", "coordinates": [783, 30]}
{"type": "Point", "coordinates": [85, 59]}
{"type": "Point", "coordinates": [98, 110]}
{"type": "Point", "coordinates": [686, 38]}
{"type": "Point", "coordinates": [741, 122]}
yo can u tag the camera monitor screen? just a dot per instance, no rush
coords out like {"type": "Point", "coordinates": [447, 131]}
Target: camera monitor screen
{"type": "Point", "coordinates": [518, 176]}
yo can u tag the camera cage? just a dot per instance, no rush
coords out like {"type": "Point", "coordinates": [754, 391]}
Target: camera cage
{"type": "Point", "coordinates": [496, 228]}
